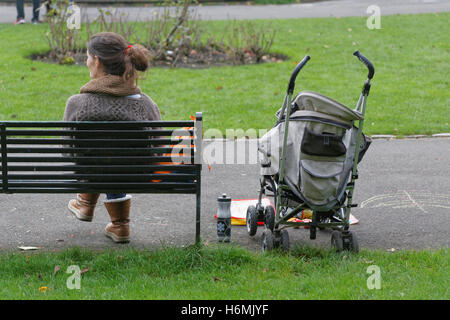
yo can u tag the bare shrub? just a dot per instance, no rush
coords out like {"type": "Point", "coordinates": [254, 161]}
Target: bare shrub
{"type": "Point", "coordinates": [174, 35]}
{"type": "Point", "coordinates": [63, 42]}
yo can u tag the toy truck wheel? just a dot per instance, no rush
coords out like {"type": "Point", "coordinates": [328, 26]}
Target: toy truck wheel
{"type": "Point", "coordinates": [267, 241]}
{"type": "Point", "coordinates": [252, 220]}
{"type": "Point", "coordinates": [336, 241]}
{"type": "Point", "coordinates": [269, 217]}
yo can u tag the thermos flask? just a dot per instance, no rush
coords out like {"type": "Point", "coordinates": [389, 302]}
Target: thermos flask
{"type": "Point", "coordinates": [224, 218]}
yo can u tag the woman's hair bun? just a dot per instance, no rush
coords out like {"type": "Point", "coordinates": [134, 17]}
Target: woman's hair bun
{"type": "Point", "coordinates": [117, 56]}
{"type": "Point", "coordinates": [139, 57]}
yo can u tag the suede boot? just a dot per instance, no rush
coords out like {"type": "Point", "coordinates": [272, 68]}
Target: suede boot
{"type": "Point", "coordinates": [119, 211]}
{"type": "Point", "coordinates": [83, 206]}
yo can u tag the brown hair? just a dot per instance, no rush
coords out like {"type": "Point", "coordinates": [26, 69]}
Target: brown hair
{"type": "Point", "coordinates": [117, 57]}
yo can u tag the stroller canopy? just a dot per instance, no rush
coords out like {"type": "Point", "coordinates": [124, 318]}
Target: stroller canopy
{"type": "Point", "coordinates": [312, 101]}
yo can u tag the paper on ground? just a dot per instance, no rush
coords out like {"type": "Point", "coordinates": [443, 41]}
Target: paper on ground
{"type": "Point", "coordinates": [28, 248]}
{"type": "Point", "coordinates": [239, 207]}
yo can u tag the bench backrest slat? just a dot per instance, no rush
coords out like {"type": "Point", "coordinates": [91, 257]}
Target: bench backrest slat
{"type": "Point", "coordinates": [98, 124]}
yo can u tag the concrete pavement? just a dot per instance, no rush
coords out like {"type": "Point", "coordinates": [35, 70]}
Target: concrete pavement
{"type": "Point", "coordinates": [403, 193]}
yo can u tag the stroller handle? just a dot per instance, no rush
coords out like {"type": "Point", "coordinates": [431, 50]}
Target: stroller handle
{"type": "Point", "coordinates": [367, 62]}
{"type": "Point", "coordinates": [295, 73]}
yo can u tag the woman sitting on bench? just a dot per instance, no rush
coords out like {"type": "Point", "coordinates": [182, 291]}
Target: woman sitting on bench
{"type": "Point", "coordinates": [112, 94]}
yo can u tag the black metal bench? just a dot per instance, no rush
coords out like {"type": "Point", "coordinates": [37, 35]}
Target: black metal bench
{"type": "Point", "coordinates": [103, 157]}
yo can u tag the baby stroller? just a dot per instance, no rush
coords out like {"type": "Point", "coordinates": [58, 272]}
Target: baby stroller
{"type": "Point", "coordinates": [309, 162]}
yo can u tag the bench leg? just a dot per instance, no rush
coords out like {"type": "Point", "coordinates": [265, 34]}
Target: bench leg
{"type": "Point", "coordinates": [197, 218]}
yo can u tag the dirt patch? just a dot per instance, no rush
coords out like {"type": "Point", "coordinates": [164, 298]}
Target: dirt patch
{"type": "Point", "coordinates": [194, 60]}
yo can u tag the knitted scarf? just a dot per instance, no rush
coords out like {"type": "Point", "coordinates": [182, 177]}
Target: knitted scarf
{"type": "Point", "coordinates": [112, 85]}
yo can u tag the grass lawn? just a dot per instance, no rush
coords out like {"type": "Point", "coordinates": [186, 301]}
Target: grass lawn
{"type": "Point", "coordinates": [410, 92]}
{"type": "Point", "coordinates": [225, 272]}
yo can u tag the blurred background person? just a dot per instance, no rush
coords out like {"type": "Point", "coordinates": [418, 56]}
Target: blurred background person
{"type": "Point", "coordinates": [21, 12]}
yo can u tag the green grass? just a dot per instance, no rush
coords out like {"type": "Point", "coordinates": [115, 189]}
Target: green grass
{"type": "Point", "coordinates": [410, 91]}
{"type": "Point", "coordinates": [225, 272]}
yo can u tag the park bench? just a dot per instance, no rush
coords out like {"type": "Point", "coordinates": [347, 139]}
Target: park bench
{"type": "Point", "coordinates": [103, 157]}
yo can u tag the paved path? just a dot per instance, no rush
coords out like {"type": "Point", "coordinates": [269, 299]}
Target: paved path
{"type": "Point", "coordinates": [336, 8]}
{"type": "Point", "coordinates": [403, 192]}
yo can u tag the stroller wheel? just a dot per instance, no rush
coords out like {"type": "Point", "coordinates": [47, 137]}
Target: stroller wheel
{"type": "Point", "coordinates": [284, 240]}
{"type": "Point", "coordinates": [252, 220]}
{"type": "Point", "coordinates": [350, 242]}
{"type": "Point", "coordinates": [267, 241]}
{"type": "Point", "coordinates": [269, 217]}
{"type": "Point", "coordinates": [336, 241]}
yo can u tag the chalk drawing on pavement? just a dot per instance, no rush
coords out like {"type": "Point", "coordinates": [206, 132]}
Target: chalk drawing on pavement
{"type": "Point", "coordinates": [403, 199]}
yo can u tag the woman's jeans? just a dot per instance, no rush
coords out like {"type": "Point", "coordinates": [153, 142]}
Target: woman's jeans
{"type": "Point", "coordinates": [111, 196]}
{"type": "Point", "coordinates": [21, 12]}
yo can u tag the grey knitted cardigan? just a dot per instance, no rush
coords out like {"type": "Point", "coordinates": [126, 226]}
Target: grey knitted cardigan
{"type": "Point", "coordinates": [107, 99]}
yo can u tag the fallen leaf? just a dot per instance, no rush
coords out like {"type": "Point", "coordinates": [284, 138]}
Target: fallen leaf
{"type": "Point", "coordinates": [33, 68]}
{"type": "Point", "coordinates": [84, 270]}
{"type": "Point", "coordinates": [326, 46]}
{"type": "Point", "coordinates": [367, 261]}
{"type": "Point", "coordinates": [217, 279]}
{"type": "Point", "coordinates": [349, 29]}
{"type": "Point", "coordinates": [55, 271]}
{"type": "Point", "coordinates": [219, 88]}
{"type": "Point", "coordinates": [265, 270]}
